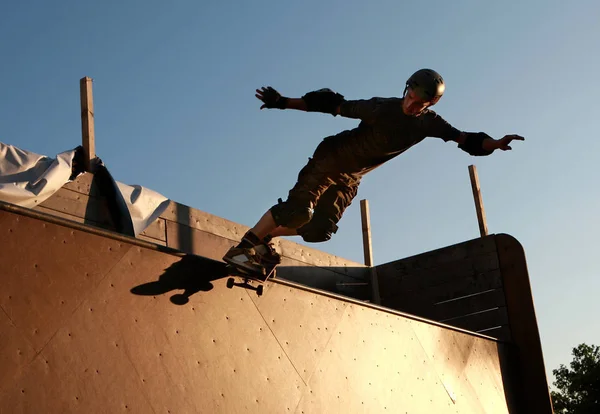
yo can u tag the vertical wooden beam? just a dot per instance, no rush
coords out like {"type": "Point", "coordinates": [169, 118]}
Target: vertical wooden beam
{"type": "Point", "coordinates": [87, 121]}
{"type": "Point", "coordinates": [368, 249]}
{"type": "Point", "coordinates": [366, 232]}
{"type": "Point", "coordinates": [483, 230]}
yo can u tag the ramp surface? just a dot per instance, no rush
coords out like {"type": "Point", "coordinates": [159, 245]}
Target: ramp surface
{"type": "Point", "coordinates": [96, 324]}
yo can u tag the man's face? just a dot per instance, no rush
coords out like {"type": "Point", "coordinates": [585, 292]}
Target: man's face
{"type": "Point", "coordinates": [414, 104]}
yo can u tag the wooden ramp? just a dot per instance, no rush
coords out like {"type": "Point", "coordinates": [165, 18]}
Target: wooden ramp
{"type": "Point", "coordinates": [95, 322]}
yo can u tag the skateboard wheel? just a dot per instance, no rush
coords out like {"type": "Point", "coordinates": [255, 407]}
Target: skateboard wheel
{"type": "Point", "coordinates": [230, 282]}
{"type": "Point", "coordinates": [259, 290]}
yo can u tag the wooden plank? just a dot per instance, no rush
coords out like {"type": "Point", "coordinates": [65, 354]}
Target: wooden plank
{"type": "Point", "coordinates": [82, 184]}
{"type": "Point", "coordinates": [332, 279]}
{"type": "Point", "coordinates": [201, 220]}
{"type": "Point", "coordinates": [156, 230]}
{"type": "Point", "coordinates": [418, 302]}
{"type": "Point", "coordinates": [232, 231]}
{"type": "Point", "coordinates": [87, 121]}
{"type": "Point", "coordinates": [79, 205]}
{"type": "Point", "coordinates": [468, 304]}
{"type": "Point", "coordinates": [437, 257]}
{"type": "Point", "coordinates": [480, 321]}
{"type": "Point", "coordinates": [72, 218]}
{"type": "Point", "coordinates": [483, 230]}
{"type": "Point", "coordinates": [152, 240]}
{"type": "Point", "coordinates": [329, 279]}
{"type": "Point", "coordinates": [523, 323]}
{"type": "Point", "coordinates": [209, 223]}
{"type": "Point", "coordinates": [500, 332]}
{"type": "Point", "coordinates": [418, 279]}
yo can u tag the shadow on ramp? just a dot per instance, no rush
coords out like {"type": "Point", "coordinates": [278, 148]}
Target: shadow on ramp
{"type": "Point", "coordinates": [191, 274]}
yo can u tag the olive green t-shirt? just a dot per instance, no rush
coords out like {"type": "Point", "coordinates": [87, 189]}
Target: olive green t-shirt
{"type": "Point", "coordinates": [383, 133]}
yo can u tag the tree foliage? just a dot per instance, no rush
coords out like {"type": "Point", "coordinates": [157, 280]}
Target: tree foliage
{"type": "Point", "coordinates": [578, 387]}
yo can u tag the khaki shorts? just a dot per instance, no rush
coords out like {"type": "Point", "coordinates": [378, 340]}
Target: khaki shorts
{"type": "Point", "coordinates": [321, 186]}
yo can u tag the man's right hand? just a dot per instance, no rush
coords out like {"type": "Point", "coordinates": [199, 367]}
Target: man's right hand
{"type": "Point", "coordinates": [271, 98]}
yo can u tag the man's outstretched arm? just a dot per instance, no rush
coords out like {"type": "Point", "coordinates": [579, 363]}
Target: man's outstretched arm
{"type": "Point", "coordinates": [474, 143]}
{"type": "Point", "coordinates": [323, 100]}
{"type": "Point", "coordinates": [480, 143]}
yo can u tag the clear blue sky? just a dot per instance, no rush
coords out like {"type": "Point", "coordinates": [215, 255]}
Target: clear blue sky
{"type": "Point", "coordinates": [175, 111]}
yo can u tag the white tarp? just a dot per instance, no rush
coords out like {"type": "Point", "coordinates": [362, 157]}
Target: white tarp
{"type": "Point", "coordinates": [28, 179]}
{"type": "Point", "coordinates": [144, 205]}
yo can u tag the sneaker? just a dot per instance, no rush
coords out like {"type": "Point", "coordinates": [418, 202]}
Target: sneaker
{"type": "Point", "coordinates": [245, 259]}
{"type": "Point", "coordinates": [266, 254]}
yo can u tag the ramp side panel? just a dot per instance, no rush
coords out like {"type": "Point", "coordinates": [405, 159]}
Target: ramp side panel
{"type": "Point", "coordinates": [450, 285]}
{"type": "Point", "coordinates": [226, 350]}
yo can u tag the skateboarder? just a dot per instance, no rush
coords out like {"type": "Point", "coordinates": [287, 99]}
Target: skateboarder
{"type": "Point", "coordinates": [328, 183]}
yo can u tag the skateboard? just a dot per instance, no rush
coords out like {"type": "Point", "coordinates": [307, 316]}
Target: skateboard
{"type": "Point", "coordinates": [248, 277]}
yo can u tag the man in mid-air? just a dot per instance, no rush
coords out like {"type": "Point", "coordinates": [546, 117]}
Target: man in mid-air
{"type": "Point", "coordinates": [328, 183]}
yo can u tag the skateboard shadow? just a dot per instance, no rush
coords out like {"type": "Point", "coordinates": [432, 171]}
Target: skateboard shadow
{"type": "Point", "coordinates": [192, 274]}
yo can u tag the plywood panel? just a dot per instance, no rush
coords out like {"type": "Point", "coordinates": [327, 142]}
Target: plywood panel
{"type": "Point", "coordinates": [308, 325]}
{"type": "Point", "coordinates": [468, 368]}
{"type": "Point", "coordinates": [15, 352]}
{"type": "Point", "coordinates": [48, 271]}
{"type": "Point", "coordinates": [438, 257]}
{"type": "Point", "coordinates": [415, 279]}
{"type": "Point", "coordinates": [376, 363]}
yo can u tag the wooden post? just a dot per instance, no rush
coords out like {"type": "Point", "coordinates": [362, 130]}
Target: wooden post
{"type": "Point", "coordinates": [366, 232]}
{"type": "Point", "coordinates": [478, 201]}
{"type": "Point", "coordinates": [367, 249]}
{"type": "Point", "coordinates": [87, 121]}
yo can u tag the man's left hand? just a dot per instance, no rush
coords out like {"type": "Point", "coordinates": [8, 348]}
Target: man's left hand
{"type": "Point", "coordinates": [504, 142]}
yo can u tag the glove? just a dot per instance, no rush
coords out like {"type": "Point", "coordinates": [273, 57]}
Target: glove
{"type": "Point", "coordinates": [271, 98]}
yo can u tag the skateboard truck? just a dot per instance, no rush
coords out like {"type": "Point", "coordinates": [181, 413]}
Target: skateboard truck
{"type": "Point", "coordinates": [248, 278]}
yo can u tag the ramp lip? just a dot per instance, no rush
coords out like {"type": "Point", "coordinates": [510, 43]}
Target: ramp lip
{"type": "Point", "coordinates": [88, 228]}
{"type": "Point", "coordinates": [382, 309]}
{"type": "Point", "coordinates": [13, 208]}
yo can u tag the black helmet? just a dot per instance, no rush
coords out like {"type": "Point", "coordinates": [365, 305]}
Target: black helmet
{"type": "Point", "coordinates": [427, 83]}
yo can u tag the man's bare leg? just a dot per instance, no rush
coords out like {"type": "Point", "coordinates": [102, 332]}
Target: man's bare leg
{"type": "Point", "coordinates": [283, 231]}
{"type": "Point", "coordinates": [265, 226]}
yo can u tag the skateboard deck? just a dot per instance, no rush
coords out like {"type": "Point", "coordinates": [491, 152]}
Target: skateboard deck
{"type": "Point", "coordinates": [248, 278]}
